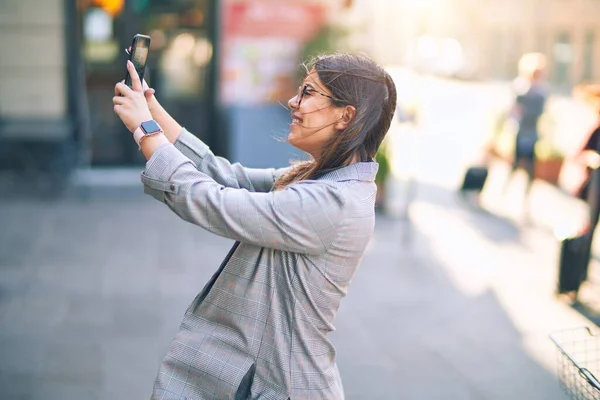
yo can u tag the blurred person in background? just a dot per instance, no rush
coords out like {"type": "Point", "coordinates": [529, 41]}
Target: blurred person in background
{"type": "Point", "coordinates": [531, 93]}
{"type": "Point", "coordinates": [259, 328]}
{"type": "Point", "coordinates": [589, 155]}
{"type": "Point", "coordinates": [588, 188]}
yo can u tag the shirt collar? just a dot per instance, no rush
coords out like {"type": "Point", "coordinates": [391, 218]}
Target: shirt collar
{"type": "Point", "coordinates": [361, 171]}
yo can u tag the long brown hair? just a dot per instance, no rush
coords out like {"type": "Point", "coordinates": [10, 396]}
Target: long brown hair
{"type": "Point", "coordinates": [358, 81]}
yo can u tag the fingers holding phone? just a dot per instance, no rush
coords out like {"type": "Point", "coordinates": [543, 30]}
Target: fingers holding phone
{"type": "Point", "coordinates": [135, 82]}
{"type": "Point", "coordinates": [130, 104]}
{"type": "Point", "coordinates": [138, 55]}
{"type": "Point", "coordinates": [133, 97]}
{"type": "Point", "coordinates": [141, 41]}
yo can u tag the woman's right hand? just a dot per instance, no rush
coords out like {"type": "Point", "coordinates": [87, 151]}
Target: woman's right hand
{"type": "Point", "coordinates": [148, 94]}
{"type": "Point", "coordinates": [148, 91]}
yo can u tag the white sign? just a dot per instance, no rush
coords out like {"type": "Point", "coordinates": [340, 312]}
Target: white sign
{"type": "Point", "coordinates": [97, 26]}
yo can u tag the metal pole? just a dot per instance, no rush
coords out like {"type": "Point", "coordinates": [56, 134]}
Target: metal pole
{"type": "Point", "coordinates": [78, 107]}
{"type": "Point", "coordinates": [217, 134]}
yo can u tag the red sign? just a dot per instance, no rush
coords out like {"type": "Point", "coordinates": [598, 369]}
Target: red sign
{"type": "Point", "coordinates": [290, 19]}
{"type": "Point", "coordinates": [261, 47]}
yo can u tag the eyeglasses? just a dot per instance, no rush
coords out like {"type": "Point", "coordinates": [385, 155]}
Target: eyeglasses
{"type": "Point", "coordinates": [307, 90]}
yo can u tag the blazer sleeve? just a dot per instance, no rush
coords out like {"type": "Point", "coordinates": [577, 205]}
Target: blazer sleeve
{"type": "Point", "coordinates": [224, 172]}
{"type": "Point", "coordinates": [301, 218]}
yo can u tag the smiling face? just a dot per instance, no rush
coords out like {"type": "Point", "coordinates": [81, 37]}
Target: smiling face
{"type": "Point", "coordinates": [340, 115]}
{"type": "Point", "coordinates": [315, 118]}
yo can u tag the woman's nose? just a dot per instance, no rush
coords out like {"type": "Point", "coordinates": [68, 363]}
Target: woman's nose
{"type": "Point", "coordinates": [293, 102]}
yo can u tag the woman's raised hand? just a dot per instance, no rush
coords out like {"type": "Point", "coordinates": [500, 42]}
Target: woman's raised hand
{"type": "Point", "coordinates": [130, 104]}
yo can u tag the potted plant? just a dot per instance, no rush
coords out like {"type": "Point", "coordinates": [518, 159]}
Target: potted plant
{"type": "Point", "coordinates": [501, 143]}
{"type": "Point", "coordinates": [549, 158]}
{"type": "Point", "coordinates": [383, 159]}
{"type": "Point", "coordinates": [549, 161]}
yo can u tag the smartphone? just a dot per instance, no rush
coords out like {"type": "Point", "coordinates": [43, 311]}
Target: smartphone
{"type": "Point", "coordinates": [140, 46]}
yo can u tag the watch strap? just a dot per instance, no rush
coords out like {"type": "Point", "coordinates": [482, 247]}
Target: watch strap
{"type": "Point", "coordinates": [139, 135]}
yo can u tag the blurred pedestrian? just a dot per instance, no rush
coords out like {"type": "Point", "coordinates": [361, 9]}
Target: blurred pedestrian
{"type": "Point", "coordinates": [259, 328]}
{"type": "Point", "coordinates": [589, 189]}
{"type": "Point", "coordinates": [589, 155]}
{"type": "Point", "coordinates": [531, 93]}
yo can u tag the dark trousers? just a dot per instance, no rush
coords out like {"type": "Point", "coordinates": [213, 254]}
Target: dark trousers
{"type": "Point", "coordinates": [525, 156]}
{"type": "Point", "coordinates": [592, 198]}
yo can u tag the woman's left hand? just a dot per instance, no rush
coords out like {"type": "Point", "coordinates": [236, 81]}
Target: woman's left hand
{"type": "Point", "coordinates": [129, 103]}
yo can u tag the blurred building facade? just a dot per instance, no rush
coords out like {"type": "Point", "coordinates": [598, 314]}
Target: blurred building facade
{"type": "Point", "coordinates": [209, 63]}
{"type": "Point", "coordinates": [38, 106]}
{"type": "Point", "coordinates": [568, 32]}
{"type": "Point", "coordinates": [491, 34]}
{"type": "Point", "coordinates": [60, 61]}
{"type": "Point", "coordinates": [32, 62]}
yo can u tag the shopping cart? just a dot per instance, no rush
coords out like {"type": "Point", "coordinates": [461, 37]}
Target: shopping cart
{"type": "Point", "coordinates": [578, 362]}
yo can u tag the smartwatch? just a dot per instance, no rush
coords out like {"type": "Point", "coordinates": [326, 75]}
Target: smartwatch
{"type": "Point", "coordinates": [148, 128]}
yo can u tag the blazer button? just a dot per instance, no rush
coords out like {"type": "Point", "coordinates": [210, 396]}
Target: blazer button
{"type": "Point", "coordinates": [172, 186]}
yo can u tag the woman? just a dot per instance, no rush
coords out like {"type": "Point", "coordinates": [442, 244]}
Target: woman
{"type": "Point", "coordinates": [588, 157]}
{"type": "Point", "coordinates": [530, 100]}
{"type": "Point", "coordinates": [588, 190]}
{"type": "Point", "coordinates": [259, 329]}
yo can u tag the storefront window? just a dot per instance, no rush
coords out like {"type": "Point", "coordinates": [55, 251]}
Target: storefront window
{"type": "Point", "coordinates": [181, 47]}
{"type": "Point", "coordinates": [178, 64]}
{"type": "Point", "coordinates": [183, 65]}
{"type": "Point", "coordinates": [100, 44]}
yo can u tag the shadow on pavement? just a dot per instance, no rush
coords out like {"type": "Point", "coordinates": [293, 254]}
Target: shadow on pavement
{"type": "Point", "coordinates": [493, 227]}
{"type": "Point", "coordinates": [590, 311]}
{"type": "Point", "coordinates": [407, 331]}
{"type": "Point", "coordinates": [588, 299]}
{"type": "Point", "coordinates": [93, 291]}
{"type": "Point", "coordinates": [500, 229]}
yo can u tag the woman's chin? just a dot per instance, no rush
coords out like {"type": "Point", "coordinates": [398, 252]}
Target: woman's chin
{"type": "Point", "coordinates": [296, 132]}
{"type": "Point", "coordinates": [291, 138]}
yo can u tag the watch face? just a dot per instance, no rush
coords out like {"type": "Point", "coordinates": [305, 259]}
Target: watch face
{"type": "Point", "coordinates": [150, 127]}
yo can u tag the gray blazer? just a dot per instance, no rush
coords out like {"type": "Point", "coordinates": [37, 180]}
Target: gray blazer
{"type": "Point", "coordinates": [258, 329]}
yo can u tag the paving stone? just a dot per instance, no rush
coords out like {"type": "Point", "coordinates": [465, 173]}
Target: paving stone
{"type": "Point", "coordinates": [90, 310]}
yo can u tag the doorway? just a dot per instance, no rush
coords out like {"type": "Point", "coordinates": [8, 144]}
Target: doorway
{"type": "Point", "coordinates": [179, 65]}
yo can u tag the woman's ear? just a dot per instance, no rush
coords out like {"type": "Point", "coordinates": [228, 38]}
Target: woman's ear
{"type": "Point", "coordinates": [347, 116]}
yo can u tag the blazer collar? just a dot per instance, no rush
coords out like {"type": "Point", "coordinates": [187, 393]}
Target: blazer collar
{"type": "Point", "coordinates": [361, 171]}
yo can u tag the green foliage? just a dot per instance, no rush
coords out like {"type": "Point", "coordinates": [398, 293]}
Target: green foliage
{"type": "Point", "coordinates": [545, 150]}
{"type": "Point", "coordinates": [328, 40]}
{"type": "Point", "coordinates": [383, 159]}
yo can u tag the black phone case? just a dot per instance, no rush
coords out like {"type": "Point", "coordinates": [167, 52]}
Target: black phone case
{"type": "Point", "coordinates": [140, 68]}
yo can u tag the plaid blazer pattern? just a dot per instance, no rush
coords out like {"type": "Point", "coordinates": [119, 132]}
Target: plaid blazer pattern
{"type": "Point", "coordinates": [258, 329]}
